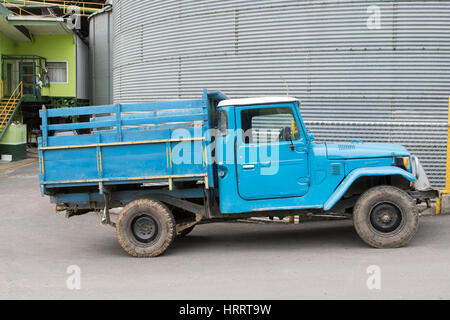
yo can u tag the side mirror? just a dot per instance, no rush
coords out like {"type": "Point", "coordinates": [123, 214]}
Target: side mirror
{"type": "Point", "coordinates": [311, 137]}
{"type": "Point", "coordinates": [286, 134]}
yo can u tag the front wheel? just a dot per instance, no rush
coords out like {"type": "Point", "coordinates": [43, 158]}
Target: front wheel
{"type": "Point", "coordinates": [145, 228]}
{"type": "Point", "coordinates": [386, 217]}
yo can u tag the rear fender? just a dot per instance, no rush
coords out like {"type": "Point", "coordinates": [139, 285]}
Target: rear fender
{"type": "Point", "coordinates": [361, 172]}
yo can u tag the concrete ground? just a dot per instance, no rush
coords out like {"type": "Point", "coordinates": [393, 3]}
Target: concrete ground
{"type": "Point", "coordinates": [324, 260]}
{"type": "Point", "coordinates": [32, 156]}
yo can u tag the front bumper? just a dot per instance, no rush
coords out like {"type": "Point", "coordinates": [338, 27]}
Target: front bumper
{"type": "Point", "coordinates": [421, 188]}
{"type": "Point", "coordinates": [424, 195]}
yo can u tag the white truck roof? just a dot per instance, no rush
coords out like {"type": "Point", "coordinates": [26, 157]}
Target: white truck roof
{"type": "Point", "coordinates": [258, 100]}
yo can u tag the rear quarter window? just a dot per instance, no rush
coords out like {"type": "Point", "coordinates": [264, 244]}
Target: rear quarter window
{"type": "Point", "coordinates": [222, 124]}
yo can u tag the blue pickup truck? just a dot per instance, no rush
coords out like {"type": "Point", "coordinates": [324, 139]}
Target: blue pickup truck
{"type": "Point", "coordinates": [174, 164]}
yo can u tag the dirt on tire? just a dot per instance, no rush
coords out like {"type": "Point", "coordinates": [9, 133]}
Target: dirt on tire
{"type": "Point", "coordinates": [396, 197]}
{"type": "Point", "coordinates": [166, 228]}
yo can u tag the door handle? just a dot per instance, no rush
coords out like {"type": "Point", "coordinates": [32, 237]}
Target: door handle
{"type": "Point", "coordinates": [248, 166]}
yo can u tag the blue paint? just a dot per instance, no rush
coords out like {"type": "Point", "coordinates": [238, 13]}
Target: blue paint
{"type": "Point", "coordinates": [260, 182]}
{"type": "Point", "coordinates": [94, 161]}
{"type": "Point", "coordinates": [318, 182]}
{"type": "Point", "coordinates": [309, 175]}
{"type": "Point", "coordinates": [360, 150]}
{"type": "Point", "coordinates": [361, 172]}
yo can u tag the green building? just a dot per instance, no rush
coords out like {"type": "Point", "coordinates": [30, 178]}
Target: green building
{"type": "Point", "coordinates": [44, 61]}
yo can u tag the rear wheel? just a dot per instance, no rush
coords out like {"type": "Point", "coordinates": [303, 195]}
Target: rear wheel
{"type": "Point", "coordinates": [145, 228]}
{"type": "Point", "coordinates": [386, 217]}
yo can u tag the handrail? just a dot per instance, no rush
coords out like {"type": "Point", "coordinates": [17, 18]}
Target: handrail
{"type": "Point", "coordinates": [13, 96]}
{"type": "Point", "coordinates": [56, 2]}
{"type": "Point", "coordinates": [20, 9]}
{"type": "Point", "coordinates": [16, 95]}
{"type": "Point", "coordinates": [86, 7]}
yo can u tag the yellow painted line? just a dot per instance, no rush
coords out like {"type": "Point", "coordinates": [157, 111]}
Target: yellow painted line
{"type": "Point", "coordinates": [19, 165]}
{"type": "Point", "coordinates": [167, 156]}
{"type": "Point", "coordinates": [206, 182]}
{"type": "Point", "coordinates": [98, 168]}
{"type": "Point", "coordinates": [447, 169]}
{"type": "Point", "coordinates": [171, 176]}
{"type": "Point", "coordinates": [206, 157]}
{"type": "Point", "coordinates": [170, 155]}
{"type": "Point", "coordinates": [120, 143]}
{"type": "Point", "coordinates": [130, 179]}
{"type": "Point", "coordinates": [101, 161]}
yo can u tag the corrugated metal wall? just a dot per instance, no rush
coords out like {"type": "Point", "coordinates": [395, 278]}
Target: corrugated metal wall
{"type": "Point", "coordinates": [389, 84]}
{"type": "Point", "coordinates": [100, 57]}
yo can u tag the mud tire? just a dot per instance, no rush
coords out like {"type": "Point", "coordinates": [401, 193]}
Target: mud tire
{"type": "Point", "coordinates": [164, 229]}
{"type": "Point", "coordinates": [366, 225]}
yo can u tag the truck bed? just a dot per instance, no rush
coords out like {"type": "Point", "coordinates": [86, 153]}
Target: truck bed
{"type": "Point", "coordinates": [127, 144]}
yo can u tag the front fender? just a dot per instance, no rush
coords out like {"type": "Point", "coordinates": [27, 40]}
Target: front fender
{"type": "Point", "coordinates": [361, 172]}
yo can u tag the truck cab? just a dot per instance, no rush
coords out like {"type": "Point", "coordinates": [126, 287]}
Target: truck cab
{"type": "Point", "coordinates": [172, 165]}
{"type": "Point", "coordinates": [267, 160]}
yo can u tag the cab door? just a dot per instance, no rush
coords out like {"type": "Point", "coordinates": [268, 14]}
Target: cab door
{"type": "Point", "coordinates": [269, 163]}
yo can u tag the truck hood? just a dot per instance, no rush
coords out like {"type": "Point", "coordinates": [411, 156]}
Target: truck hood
{"type": "Point", "coordinates": [359, 150]}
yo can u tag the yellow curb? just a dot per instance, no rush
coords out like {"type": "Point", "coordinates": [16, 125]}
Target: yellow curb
{"type": "Point", "coordinates": [19, 165]}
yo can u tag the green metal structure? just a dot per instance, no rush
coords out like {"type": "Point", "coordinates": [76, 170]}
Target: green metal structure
{"type": "Point", "coordinates": [30, 67]}
{"type": "Point", "coordinates": [42, 63]}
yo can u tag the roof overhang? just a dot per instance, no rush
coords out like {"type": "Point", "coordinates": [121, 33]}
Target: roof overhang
{"type": "Point", "coordinates": [41, 25]}
{"type": "Point", "coordinates": [9, 30]}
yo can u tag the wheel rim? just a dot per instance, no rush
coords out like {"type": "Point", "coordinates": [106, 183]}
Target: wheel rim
{"type": "Point", "coordinates": [144, 228]}
{"type": "Point", "coordinates": [385, 217]}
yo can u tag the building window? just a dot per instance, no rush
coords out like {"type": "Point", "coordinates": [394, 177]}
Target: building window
{"type": "Point", "coordinates": [57, 71]}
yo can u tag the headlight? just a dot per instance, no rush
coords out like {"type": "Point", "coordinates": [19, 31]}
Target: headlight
{"type": "Point", "coordinates": [403, 162]}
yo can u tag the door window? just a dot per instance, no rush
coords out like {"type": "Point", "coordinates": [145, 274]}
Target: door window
{"type": "Point", "coordinates": [265, 125]}
{"type": "Point", "coordinates": [28, 73]}
{"type": "Point", "coordinates": [9, 79]}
